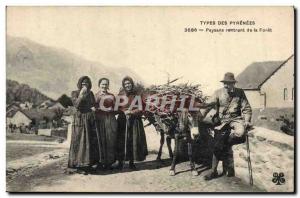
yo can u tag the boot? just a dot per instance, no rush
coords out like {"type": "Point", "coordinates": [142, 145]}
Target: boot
{"type": "Point", "coordinates": [82, 170]}
{"type": "Point", "coordinates": [118, 165]}
{"type": "Point", "coordinates": [213, 172]}
{"type": "Point", "coordinates": [211, 175]}
{"type": "Point", "coordinates": [132, 166]}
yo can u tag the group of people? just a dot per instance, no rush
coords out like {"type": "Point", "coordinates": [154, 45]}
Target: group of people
{"type": "Point", "coordinates": [102, 141]}
{"type": "Point", "coordinates": [98, 138]}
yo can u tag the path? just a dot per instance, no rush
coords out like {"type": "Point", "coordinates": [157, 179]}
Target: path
{"type": "Point", "coordinates": [148, 178]}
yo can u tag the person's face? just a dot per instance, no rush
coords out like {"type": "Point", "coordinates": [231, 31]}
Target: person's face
{"type": "Point", "coordinates": [104, 85]}
{"type": "Point", "coordinates": [85, 84]}
{"type": "Point", "coordinates": [229, 86]}
{"type": "Point", "coordinates": [128, 85]}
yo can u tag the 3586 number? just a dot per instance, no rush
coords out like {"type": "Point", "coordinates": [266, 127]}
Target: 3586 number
{"type": "Point", "coordinates": [190, 29]}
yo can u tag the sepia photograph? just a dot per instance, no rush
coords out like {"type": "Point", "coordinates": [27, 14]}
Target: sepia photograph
{"type": "Point", "coordinates": [150, 99]}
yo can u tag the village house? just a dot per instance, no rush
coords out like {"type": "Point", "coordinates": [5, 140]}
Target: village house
{"type": "Point", "coordinates": [269, 84]}
{"type": "Point", "coordinates": [57, 105]}
{"type": "Point", "coordinates": [26, 105]}
{"type": "Point", "coordinates": [46, 104]}
{"type": "Point", "coordinates": [31, 117]}
{"type": "Point", "coordinates": [11, 109]}
{"type": "Point", "coordinates": [18, 118]}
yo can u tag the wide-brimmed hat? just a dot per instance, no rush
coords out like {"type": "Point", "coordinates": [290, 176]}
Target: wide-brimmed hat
{"type": "Point", "coordinates": [229, 77]}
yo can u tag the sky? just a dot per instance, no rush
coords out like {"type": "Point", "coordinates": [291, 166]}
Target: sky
{"type": "Point", "coordinates": [152, 40]}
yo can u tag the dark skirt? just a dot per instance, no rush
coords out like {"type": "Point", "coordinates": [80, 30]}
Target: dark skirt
{"type": "Point", "coordinates": [85, 142]}
{"type": "Point", "coordinates": [136, 146]}
{"type": "Point", "coordinates": [107, 127]}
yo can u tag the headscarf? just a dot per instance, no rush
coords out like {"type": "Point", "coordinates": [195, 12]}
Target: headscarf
{"type": "Point", "coordinates": [82, 79]}
{"type": "Point", "coordinates": [100, 80]}
{"type": "Point", "coordinates": [127, 78]}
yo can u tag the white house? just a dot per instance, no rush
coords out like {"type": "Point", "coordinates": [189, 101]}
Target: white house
{"type": "Point", "coordinates": [19, 118]}
{"type": "Point", "coordinates": [33, 116]}
{"type": "Point", "coordinates": [26, 105]}
{"type": "Point", "coordinates": [269, 84]}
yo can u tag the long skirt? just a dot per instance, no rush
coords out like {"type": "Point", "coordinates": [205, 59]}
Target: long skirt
{"type": "Point", "coordinates": [85, 143]}
{"type": "Point", "coordinates": [136, 144]}
{"type": "Point", "coordinates": [107, 127]}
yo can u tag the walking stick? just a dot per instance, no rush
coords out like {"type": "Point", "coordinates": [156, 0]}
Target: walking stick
{"type": "Point", "coordinates": [126, 134]}
{"type": "Point", "coordinates": [248, 157]}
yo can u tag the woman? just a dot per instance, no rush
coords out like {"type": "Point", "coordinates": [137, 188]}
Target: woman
{"type": "Point", "coordinates": [131, 141]}
{"type": "Point", "coordinates": [85, 144]}
{"type": "Point", "coordinates": [106, 122]}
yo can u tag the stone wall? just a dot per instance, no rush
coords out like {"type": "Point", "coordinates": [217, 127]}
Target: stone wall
{"type": "Point", "coordinates": [271, 152]}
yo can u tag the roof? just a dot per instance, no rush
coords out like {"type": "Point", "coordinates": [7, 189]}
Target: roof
{"type": "Point", "coordinates": [10, 113]}
{"type": "Point", "coordinates": [39, 114]}
{"type": "Point", "coordinates": [256, 74]}
{"type": "Point", "coordinates": [13, 105]}
{"type": "Point", "coordinates": [12, 109]}
{"type": "Point", "coordinates": [46, 103]}
{"type": "Point", "coordinates": [56, 105]}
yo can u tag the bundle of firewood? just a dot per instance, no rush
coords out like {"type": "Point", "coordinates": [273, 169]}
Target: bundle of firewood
{"type": "Point", "coordinates": [191, 93]}
{"type": "Point", "coordinates": [165, 115]}
{"type": "Point", "coordinates": [179, 90]}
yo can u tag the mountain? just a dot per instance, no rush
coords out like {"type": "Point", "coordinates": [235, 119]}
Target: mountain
{"type": "Point", "coordinates": [55, 71]}
{"type": "Point", "coordinates": [16, 92]}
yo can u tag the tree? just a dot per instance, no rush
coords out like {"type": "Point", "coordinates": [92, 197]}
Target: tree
{"type": "Point", "coordinates": [65, 101]}
{"type": "Point", "coordinates": [58, 113]}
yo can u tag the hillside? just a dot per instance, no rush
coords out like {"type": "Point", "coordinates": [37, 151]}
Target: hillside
{"type": "Point", "coordinates": [55, 71]}
{"type": "Point", "coordinates": [16, 92]}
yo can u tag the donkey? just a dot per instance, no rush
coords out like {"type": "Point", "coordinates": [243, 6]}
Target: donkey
{"type": "Point", "coordinates": [174, 126]}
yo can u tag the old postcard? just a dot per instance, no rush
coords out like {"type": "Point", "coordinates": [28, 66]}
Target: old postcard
{"type": "Point", "coordinates": [150, 99]}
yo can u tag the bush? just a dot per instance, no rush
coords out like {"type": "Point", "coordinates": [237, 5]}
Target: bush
{"type": "Point", "coordinates": [287, 126]}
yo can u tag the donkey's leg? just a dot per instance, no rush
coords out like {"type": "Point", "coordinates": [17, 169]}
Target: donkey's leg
{"type": "Point", "coordinates": [192, 164]}
{"type": "Point", "coordinates": [162, 141]}
{"type": "Point", "coordinates": [172, 169]}
{"type": "Point", "coordinates": [190, 154]}
{"type": "Point", "coordinates": [168, 139]}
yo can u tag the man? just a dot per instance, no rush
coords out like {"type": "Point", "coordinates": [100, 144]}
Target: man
{"type": "Point", "coordinates": [233, 113]}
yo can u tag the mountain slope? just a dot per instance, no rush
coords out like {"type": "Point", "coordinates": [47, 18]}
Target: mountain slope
{"type": "Point", "coordinates": [16, 92]}
{"type": "Point", "coordinates": [55, 71]}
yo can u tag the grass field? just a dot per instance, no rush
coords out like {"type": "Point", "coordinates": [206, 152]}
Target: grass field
{"type": "Point", "coordinates": [28, 137]}
{"type": "Point", "coordinates": [17, 151]}
{"type": "Point", "coordinates": [16, 147]}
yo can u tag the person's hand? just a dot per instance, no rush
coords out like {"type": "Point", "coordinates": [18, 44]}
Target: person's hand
{"type": "Point", "coordinates": [128, 112]}
{"type": "Point", "coordinates": [110, 109]}
{"type": "Point", "coordinates": [218, 127]}
{"type": "Point", "coordinates": [83, 91]}
{"type": "Point", "coordinates": [200, 116]}
{"type": "Point", "coordinates": [247, 125]}
{"type": "Point", "coordinates": [93, 109]}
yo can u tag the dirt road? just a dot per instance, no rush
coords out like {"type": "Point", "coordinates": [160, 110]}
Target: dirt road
{"type": "Point", "coordinates": [150, 177]}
